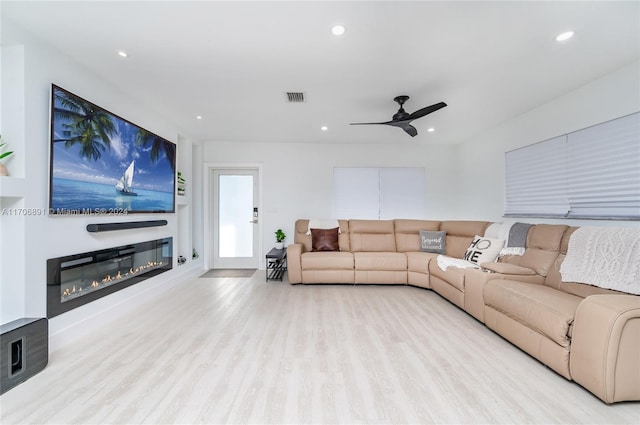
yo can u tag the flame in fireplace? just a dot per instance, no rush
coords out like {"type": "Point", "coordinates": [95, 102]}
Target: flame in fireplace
{"type": "Point", "coordinates": [109, 279]}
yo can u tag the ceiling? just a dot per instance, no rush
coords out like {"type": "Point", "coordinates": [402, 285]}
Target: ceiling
{"type": "Point", "coordinates": [233, 62]}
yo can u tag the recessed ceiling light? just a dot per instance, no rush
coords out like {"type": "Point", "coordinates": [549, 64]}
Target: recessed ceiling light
{"type": "Point", "coordinates": [122, 53]}
{"type": "Point", "coordinates": [431, 129]}
{"type": "Point", "coordinates": [338, 30]}
{"type": "Point", "coordinates": [564, 36]}
{"type": "Point", "coordinates": [198, 117]}
{"type": "Point", "coordinates": [324, 128]}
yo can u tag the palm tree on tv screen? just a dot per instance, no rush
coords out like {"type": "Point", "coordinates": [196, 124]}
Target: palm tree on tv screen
{"type": "Point", "coordinates": [158, 145]}
{"type": "Point", "coordinates": [87, 125]}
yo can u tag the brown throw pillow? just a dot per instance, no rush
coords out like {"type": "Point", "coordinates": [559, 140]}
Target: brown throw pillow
{"type": "Point", "coordinates": [324, 239]}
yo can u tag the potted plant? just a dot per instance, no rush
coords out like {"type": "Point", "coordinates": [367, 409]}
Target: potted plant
{"type": "Point", "coordinates": [279, 239]}
{"type": "Point", "coordinates": [181, 184]}
{"type": "Point", "coordinates": [3, 169]}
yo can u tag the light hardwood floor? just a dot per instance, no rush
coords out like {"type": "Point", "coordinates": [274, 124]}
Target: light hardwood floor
{"type": "Point", "coordinates": [240, 350]}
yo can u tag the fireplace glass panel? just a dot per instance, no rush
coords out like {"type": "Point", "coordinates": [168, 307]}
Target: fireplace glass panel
{"type": "Point", "coordinates": [77, 279]}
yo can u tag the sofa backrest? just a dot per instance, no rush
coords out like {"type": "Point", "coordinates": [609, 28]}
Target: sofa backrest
{"type": "Point", "coordinates": [302, 238]}
{"type": "Point", "coordinates": [554, 278]}
{"type": "Point", "coordinates": [372, 236]}
{"type": "Point", "coordinates": [543, 247]}
{"type": "Point", "coordinates": [460, 234]}
{"type": "Point", "coordinates": [408, 233]}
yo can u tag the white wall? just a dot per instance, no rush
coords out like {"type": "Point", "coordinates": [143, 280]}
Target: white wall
{"type": "Point", "coordinates": [481, 159]}
{"type": "Point", "coordinates": [34, 239]}
{"type": "Point", "coordinates": [464, 182]}
{"type": "Point", "coordinates": [298, 178]}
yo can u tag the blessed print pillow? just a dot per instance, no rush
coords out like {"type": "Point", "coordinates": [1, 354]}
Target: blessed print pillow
{"type": "Point", "coordinates": [325, 239]}
{"type": "Point", "coordinates": [483, 250]}
{"type": "Point", "coordinates": [432, 241]}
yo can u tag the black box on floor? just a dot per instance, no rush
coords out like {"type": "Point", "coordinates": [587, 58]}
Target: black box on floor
{"type": "Point", "coordinates": [24, 350]}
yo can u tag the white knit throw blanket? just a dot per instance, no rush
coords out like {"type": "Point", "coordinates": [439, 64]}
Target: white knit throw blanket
{"type": "Point", "coordinates": [323, 223]}
{"type": "Point", "coordinates": [608, 257]}
{"type": "Point", "coordinates": [445, 262]}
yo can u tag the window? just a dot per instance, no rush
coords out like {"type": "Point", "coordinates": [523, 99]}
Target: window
{"type": "Point", "coordinates": [590, 173]}
{"type": "Point", "coordinates": [535, 179]}
{"type": "Point", "coordinates": [379, 193]}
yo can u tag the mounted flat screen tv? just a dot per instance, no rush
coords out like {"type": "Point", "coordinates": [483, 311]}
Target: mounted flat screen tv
{"type": "Point", "coordinates": [104, 164]}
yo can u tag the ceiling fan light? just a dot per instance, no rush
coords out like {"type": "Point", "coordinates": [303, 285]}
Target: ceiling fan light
{"type": "Point", "coordinates": [122, 53]}
{"type": "Point", "coordinates": [324, 128]}
{"type": "Point", "coordinates": [431, 129]}
{"type": "Point", "coordinates": [564, 36]}
{"type": "Point", "coordinates": [338, 30]}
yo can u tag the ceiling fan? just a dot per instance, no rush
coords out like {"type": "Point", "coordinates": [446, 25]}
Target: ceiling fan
{"type": "Point", "coordinates": [403, 119]}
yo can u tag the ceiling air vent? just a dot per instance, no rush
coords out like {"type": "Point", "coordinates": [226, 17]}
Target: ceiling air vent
{"type": "Point", "coordinates": [295, 97]}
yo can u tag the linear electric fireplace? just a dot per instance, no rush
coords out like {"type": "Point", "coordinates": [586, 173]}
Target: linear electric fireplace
{"type": "Point", "coordinates": [78, 279]}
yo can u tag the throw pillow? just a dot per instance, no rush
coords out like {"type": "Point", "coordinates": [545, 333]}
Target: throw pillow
{"type": "Point", "coordinates": [432, 241]}
{"type": "Point", "coordinates": [324, 239]}
{"type": "Point", "coordinates": [483, 250]}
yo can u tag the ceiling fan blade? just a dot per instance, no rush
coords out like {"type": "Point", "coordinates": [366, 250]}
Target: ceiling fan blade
{"type": "Point", "coordinates": [370, 123]}
{"type": "Point", "coordinates": [411, 130]}
{"type": "Point", "coordinates": [402, 119]}
{"type": "Point", "coordinates": [425, 111]}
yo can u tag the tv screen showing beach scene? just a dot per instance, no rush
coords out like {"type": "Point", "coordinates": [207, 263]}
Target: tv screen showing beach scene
{"type": "Point", "coordinates": [103, 164]}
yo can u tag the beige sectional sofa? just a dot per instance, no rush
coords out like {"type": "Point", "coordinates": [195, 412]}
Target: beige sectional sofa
{"type": "Point", "coordinates": [585, 333]}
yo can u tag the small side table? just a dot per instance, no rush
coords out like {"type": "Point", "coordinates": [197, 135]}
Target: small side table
{"type": "Point", "coordinates": [276, 260]}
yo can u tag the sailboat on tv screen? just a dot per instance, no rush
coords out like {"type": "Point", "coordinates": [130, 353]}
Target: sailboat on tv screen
{"type": "Point", "coordinates": [125, 184]}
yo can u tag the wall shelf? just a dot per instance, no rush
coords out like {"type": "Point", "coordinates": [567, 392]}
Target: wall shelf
{"type": "Point", "coordinates": [183, 243]}
{"type": "Point", "coordinates": [182, 200]}
{"type": "Point", "coordinates": [12, 187]}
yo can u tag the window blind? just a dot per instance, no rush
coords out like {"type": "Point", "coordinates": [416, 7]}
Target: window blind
{"type": "Point", "coordinates": [535, 179]}
{"type": "Point", "coordinates": [589, 173]}
{"type": "Point", "coordinates": [356, 193]}
{"type": "Point", "coordinates": [402, 193]}
{"type": "Point", "coordinates": [604, 170]}
{"type": "Point", "coordinates": [379, 193]}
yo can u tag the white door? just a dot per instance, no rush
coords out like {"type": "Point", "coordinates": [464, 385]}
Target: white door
{"type": "Point", "coordinates": [235, 219]}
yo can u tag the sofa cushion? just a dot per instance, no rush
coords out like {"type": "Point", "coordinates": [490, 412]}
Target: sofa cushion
{"type": "Point", "coordinates": [554, 278]}
{"type": "Point", "coordinates": [372, 236]}
{"type": "Point", "coordinates": [508, 268]}
{"type": "Point", "coordinates": [460, 234]}
{"type": "Point", "coordinates": [483, 250]}
{"type": "Point", "coordinates": [432, 241]}
{"type": "Point", "coordinates": [326, 260]}
{"type": "Point", "coordinates": [543, 246]}
{"type": "Point", "coordinates": [325, 239]}
{"type": "Point", "coordinates": [543, 309]}
{"type": "Point", "coordinates": [453, 276]}
{"type": "Point", "coordinates": [380, 261]}
{"type": "Point", "coordinates": [407, 233]}
{"type": "Point", "coordinates": [419, 261]}
{"type": "Point", "coordinates": [303, 239]}
{"type": "Point", "coordinates": [322, 223]}
{"type": "Point", "coordinates": [328, 276]}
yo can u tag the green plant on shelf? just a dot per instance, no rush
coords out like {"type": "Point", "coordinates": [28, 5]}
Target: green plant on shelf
{"type": "Point", "coordinates": [181, 184]}
{"type": "Point", "coordinates": [280, 235]}
{"type": "Point", "coordinates": [3, 170]}
{"type": "Point", "coordinates": [4, 154]}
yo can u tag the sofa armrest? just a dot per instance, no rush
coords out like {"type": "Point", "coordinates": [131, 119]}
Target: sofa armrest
{"type": "Point", "coordinates": [475, 280]}
{"type": "Point", "coordinates": [605, 347]}
{"type": "Point", "coordinates": [507, 268]}
{"type": "Point", "coordinates": [294, 263]}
